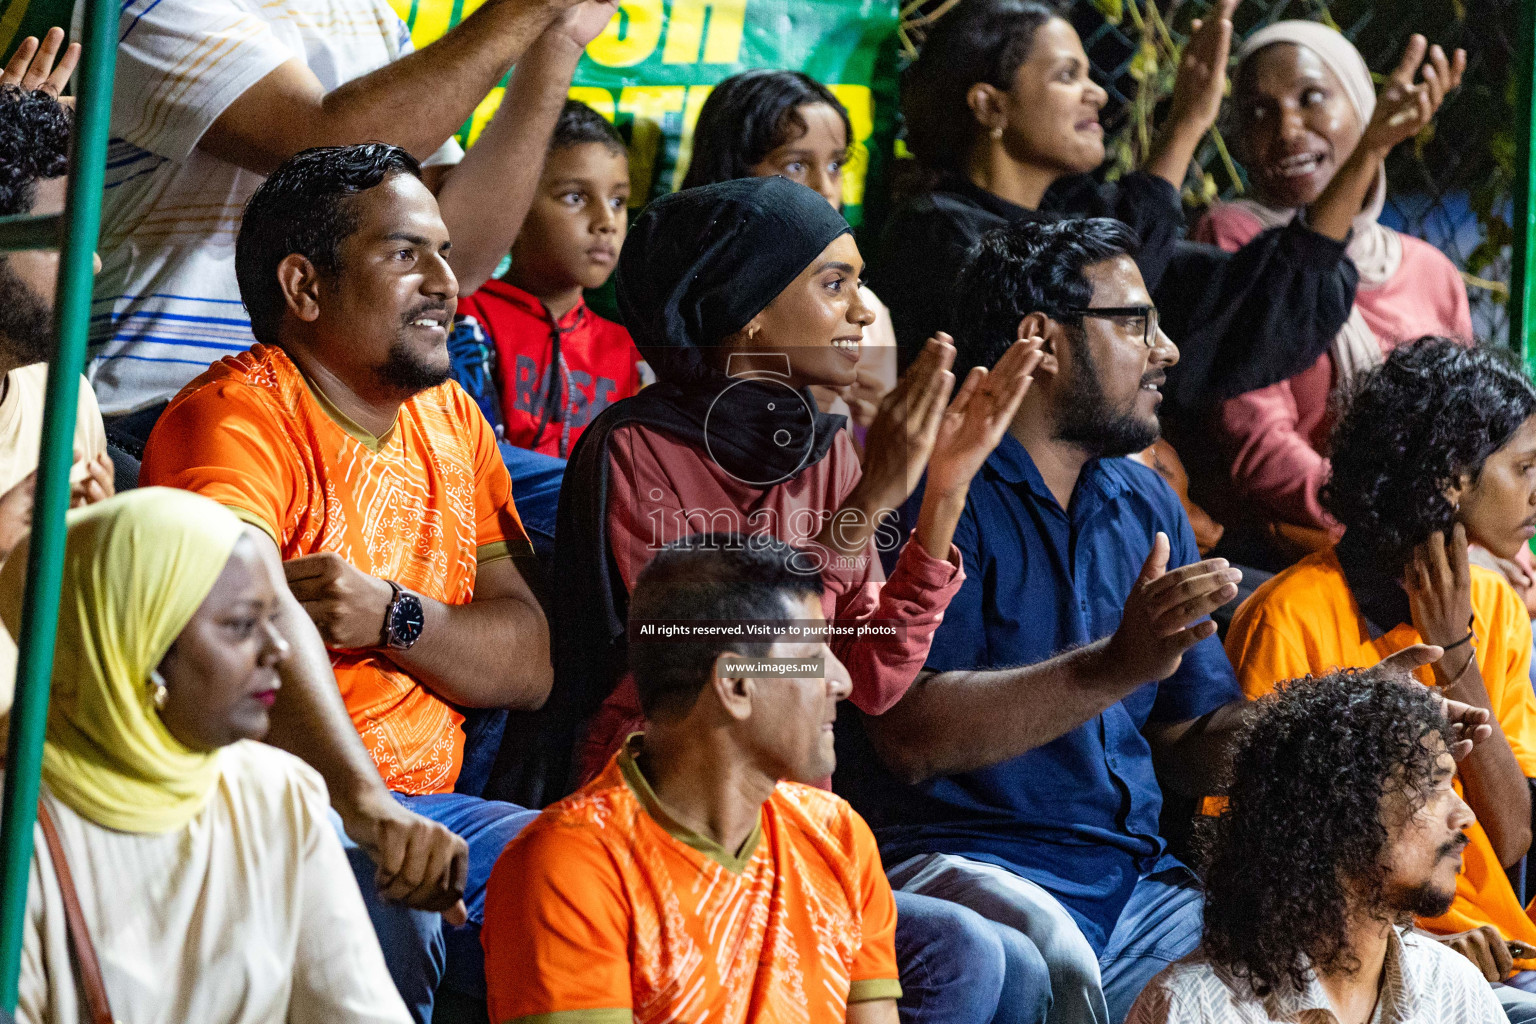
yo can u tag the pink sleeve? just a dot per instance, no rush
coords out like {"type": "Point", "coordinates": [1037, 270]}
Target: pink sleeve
{"type": "Point", "coordinates": [1227, 227]}
{"type": "Point", "coordinates": [911, 603]}
{"type": "Point", "coordinates": [1272, 464]}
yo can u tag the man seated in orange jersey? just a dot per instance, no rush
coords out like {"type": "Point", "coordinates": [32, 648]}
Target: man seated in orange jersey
{"type": "Point", "coordinates": [702, 875]}
{"type": "Point", "coordinates": [1436, 448]}
{"type": "Point", "coordinates": [340, 436]}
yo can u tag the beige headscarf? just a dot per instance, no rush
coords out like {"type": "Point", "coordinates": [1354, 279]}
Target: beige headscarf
{"type": "Point", "coordinates": [1377, 251]}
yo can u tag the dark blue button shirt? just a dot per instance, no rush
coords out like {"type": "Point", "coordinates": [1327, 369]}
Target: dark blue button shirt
{"type": "Point", "coordinates": [1078, 816]}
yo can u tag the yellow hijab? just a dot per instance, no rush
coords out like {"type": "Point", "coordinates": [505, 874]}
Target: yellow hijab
{"type": "Point", "coordinates": [136, 568]}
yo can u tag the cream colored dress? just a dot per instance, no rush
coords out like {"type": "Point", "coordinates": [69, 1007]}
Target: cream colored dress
{"type": "Point", "coordinates": [249, 914]}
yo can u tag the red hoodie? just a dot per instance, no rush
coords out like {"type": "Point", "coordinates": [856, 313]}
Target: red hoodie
{"type": "Point", "coordinates": [597, 364]}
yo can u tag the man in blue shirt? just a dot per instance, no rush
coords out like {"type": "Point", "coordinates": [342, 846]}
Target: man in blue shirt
{"type": "Point", "coordinates": [1016, 775]}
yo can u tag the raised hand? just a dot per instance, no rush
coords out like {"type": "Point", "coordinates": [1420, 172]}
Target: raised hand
{"type": "Point", "coordinates": [901, 439]}
{"type": "Point", "coordinates": [586, 20]}
{"type": "Point", "coordinates": [980, 414]}
{"type": "Point", "coordinates": [1202, 76]}
{"type": "Point", "coordinates": [33, 65]}
{"type": "Point", "coordinates": [1167, 613]}
{"type": "Point", "coordinates": [1438, 579]}
{"type": "Point", "coordinates": [1403, 109]}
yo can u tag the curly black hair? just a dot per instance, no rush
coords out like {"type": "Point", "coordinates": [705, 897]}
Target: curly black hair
{"type": "Point", "coordinates": [1028, 268]}
{"type": "Point", "coordinates": [303, 208]}
{"type": "Point", "coordinates": [34, 145]}
{"type": "Point", "coordinates": [1303, 820]}
{"type": "Point", "coordinates": [1435, 410]}
{"type": "Point", "coordinates": [748, 116]}
{"type": "Point", "coordinates": [978, 41]}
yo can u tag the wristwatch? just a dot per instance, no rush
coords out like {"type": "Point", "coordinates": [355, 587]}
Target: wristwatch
{"type": "Point", "coordinates": [403, 621]}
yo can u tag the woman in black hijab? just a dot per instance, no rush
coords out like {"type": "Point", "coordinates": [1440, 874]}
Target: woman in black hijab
{"type": "Point", "coordinates": [742, 295]}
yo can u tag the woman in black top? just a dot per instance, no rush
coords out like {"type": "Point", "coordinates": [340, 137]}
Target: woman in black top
{"type": "Point", "coordinates": [1000, 104]}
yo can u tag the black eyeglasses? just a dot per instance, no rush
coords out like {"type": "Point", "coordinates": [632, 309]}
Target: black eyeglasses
{"type": "Point", "coordinates": [1146, 314]}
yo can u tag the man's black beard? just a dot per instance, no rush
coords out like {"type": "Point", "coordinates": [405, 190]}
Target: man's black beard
{"type": "Point", "coordinates": [26, 322]}
{"type": "Point", "coordinates": [405, 372]}
{"type": "Point", "coordinates": [1424, 900]}
{"type": "Point", "coordinates": [1086, 420]}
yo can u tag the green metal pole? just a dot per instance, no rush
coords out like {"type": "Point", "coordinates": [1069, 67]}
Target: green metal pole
{"type": "Point", "coordinates": [40, 608]}
{"type": "Point", "coordinates": [1522, 280]}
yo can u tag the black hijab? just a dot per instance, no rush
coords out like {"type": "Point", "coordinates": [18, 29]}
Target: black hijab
{"type": "Point", "coordinates": [697, 266]}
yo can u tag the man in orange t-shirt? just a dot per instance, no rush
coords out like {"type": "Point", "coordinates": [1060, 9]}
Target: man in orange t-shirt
{"type": "Point", "coordinates": [702, 875]}
{"type": "Point", "coordinates": [340, 436]}
{"type": "Point", "coordinates": [1441, 435]}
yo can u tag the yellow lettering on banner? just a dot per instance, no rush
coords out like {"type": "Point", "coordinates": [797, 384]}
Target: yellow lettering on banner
{"type": "Point", "coordinates": [697, 94]}
{"type": "Point", "coordinates": [860, 102]}
{"type": "Point", "coordinates": [631, 37]}
{"type": "Point", "coordinates": [596, 97]}
{"type": "Point", "coordinates": [685, 30]}
{"type": "Point", "coordinates": [649, 105]}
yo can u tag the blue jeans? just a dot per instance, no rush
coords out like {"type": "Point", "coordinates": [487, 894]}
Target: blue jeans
{"type": "Point", "coordinates": [1160, 923]}
{"type": "Point", "coordinates": [422, 952]}
{"type": "Point", "coordinates": [536, 490]}
{"type": "Point", "coordinates": [959, 968]}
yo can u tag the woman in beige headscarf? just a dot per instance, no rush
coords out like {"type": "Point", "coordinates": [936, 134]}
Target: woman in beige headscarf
{"type": "Point", "coordinates": [211, 882]}
{"type": "Point", "coordinates": [1305, 111]}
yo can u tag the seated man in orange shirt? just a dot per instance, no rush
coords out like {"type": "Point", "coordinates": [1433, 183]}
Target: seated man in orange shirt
{"type": "Point", "coordinates": [702, 875]}
{"type": "Point", "coordinates": [341, 437]}
{"type": "Point", "coordinates": [1436, 448]}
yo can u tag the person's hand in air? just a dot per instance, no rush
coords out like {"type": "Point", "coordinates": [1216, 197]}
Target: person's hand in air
{"type": "Point", "coordinates": [37, 65]}
{"type": "Point", "coordinates": [975, 422]}
{"type": "Point", "coordinates": [585, 21]}
{"type": "Point", "coordinates": [902, 436]}
{"type": "Point", "coordinates": [1405, 108]}
{"type": "Point", "coordinates": [1167, 613]}
{"type": "Point", "coordinates": [1470, 725]}
{"type": "Point", "coordinates": [1201, 80]}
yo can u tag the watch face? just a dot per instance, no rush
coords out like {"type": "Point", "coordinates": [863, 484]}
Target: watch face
{"type": "Point", "coordinates": [406, 621]}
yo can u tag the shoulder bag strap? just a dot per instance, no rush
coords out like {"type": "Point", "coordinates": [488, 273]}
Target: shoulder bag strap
{"type": "Point", "coordinates": [97, 1005]}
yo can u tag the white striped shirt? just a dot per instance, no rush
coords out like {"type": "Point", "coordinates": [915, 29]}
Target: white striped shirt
{"type": "Point", "coordinates": [166, 304]}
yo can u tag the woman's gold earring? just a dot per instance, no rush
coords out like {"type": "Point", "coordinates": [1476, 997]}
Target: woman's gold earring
{"type": "Point", "coordinates": [997, 133]}
{"type": "Point", "coordinates": [161, 692]}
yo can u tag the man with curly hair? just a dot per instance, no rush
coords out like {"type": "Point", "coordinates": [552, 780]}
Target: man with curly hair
{"type": "Point", "coordinates": [1342, 824]}
{"type": "Point", "coordinates": [1436, 448]}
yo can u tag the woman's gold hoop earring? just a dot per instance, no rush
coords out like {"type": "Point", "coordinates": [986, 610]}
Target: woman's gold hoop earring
{"type": "Point", "coordinates": [160, 692]}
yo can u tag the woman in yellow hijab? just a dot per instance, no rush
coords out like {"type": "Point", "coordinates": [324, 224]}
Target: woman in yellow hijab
{"type": "Point", "coordinates": [211, 882]}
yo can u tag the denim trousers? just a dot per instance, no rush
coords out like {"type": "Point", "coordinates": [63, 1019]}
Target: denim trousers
{"type": "Point", "coordinates": [959, 968]}
{"type": "Point", "coordinates": [419, 949]}
{"type": "Point", "coordinates": [1160, 923]}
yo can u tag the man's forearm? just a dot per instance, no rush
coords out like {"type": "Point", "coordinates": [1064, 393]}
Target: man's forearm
{"type": "Point", "coordinates": [486, 197]}
{"type": "Point", "coordinates": [416, 102]}
{"type": "Point", "coordinates": [952, 722]}
{"type": "Point", "coordinates": [309, 719]}
{"type": "Point", "coordinates": [1192, 757]}
{"type": "Point", "coordinates": [484, 654]}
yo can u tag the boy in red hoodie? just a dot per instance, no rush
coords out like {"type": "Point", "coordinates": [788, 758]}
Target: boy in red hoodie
{"type": "Point", "coordinates": [554, 364]}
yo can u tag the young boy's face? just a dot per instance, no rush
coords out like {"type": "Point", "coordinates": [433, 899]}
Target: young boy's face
{"type": "Point", "coordinates": [577, 223]}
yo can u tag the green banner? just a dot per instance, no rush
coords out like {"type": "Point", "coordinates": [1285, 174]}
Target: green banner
{"type": "Point", "coordinates": [652, 68]}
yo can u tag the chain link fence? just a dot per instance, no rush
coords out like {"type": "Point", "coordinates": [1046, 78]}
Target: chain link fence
{"type": "Point", "coordinates": [1452, 186]}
